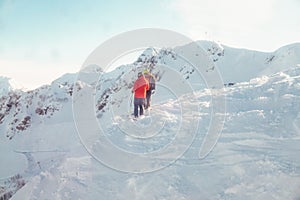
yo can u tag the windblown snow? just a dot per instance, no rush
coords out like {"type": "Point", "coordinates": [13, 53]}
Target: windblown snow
{"type": "Point", "coordinates": [256, 157]}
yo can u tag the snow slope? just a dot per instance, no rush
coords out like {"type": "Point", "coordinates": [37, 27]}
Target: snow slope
{"type": "Point", "coordinates": [255, 157]}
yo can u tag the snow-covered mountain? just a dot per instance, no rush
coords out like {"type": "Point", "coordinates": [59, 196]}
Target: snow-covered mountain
{"type": "Point", "coordinates": [237, 65]}
{"type": "Point", "coordinates": [42, 156]}
{"type": "Point", "coordinates": [7, 85]}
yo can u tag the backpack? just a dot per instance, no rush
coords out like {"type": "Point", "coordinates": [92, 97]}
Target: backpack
{"type": "Point", "coordinates": [151, 80]}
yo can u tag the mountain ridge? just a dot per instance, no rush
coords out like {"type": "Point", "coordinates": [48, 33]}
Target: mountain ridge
{"type": "Point", "coordinates": [48, 99]}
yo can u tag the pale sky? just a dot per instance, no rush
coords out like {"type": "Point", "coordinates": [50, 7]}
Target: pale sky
{"type": "Point", "coordinates": [41, 40]}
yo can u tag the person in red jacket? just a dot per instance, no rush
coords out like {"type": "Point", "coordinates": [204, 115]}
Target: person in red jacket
{"type": "Point", "coordinates": [140, 88]}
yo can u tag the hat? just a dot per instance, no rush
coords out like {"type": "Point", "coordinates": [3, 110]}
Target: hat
{"type": "Point", "coordinates": [146, 71]}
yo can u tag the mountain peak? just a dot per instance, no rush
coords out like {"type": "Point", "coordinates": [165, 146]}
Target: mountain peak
{"type": "Point", "coordinates": [147, 54]}
{"type": "Point", "coordinates": [8, 84]}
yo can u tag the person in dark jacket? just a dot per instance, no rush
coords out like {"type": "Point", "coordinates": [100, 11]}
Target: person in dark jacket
{"type": "Point", "coordinates": [140, 88]}
{"type": "Point", "coordinates": [151, 79]}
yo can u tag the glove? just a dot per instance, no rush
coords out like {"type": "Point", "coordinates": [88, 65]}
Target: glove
{"type": "Point", "coordinates": [153, 91]}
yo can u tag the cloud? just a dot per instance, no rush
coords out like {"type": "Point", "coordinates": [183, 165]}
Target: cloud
{"type": "Point", "coordinates": [31, 73]}
{"type": "Point", "coordinates": [224, 20]}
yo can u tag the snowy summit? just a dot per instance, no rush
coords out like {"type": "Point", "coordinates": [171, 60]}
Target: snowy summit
{"type": "Point", "coordinates": [49, 150]}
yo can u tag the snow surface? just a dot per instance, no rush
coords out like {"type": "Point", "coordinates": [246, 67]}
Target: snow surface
{"type": "Point", "coordinates": [256, 156]}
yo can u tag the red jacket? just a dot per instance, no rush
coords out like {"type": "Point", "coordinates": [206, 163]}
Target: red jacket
{"type": "Point", "coordinates": [140, 87]}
